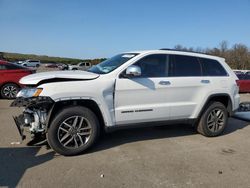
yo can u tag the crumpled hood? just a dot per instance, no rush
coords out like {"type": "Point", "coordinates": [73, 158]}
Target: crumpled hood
{"type": "Point", "coordinates": [34, 79]}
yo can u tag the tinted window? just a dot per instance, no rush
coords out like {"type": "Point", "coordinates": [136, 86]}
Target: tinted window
{"type": "Point", "coordinates": [212, 67]}
{"type": "Point", "coordinates": [10, 66]}
{"type": "Point", "coordinates": [181, 65]}
{"type": "Point", "coordinates": [247, 77]}
{"type": "Point", "coordinates": [241, 76]}
{"type": "Point", "coordinates": [13, 67]}
{"type": "Point", "coordinates": [2, 67]}
{"type": "Point", "coordinates": [153, 65]}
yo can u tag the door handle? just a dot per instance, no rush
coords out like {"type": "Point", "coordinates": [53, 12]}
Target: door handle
{"type": "Point", "coordinates": [164, 83]}
{"type": "Point", "coordinates": [205, 81]}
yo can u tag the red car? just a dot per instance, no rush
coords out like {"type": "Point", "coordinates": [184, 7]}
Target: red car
{"type": "Point", "coordinates": [10, 74]}
{"type": "Point", "coordinates": [244, 83]}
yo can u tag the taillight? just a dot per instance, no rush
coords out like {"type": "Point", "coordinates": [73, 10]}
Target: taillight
{"type": "Point", "coordinates": [237, 82]}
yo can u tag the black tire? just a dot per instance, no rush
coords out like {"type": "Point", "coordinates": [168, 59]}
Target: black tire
{"type": "Point", "coordinates": [9, 91]}
{"type": "Point", "coordinates": [213, 120]}
{"type": "Point", "coordinates": [37, 65]}
{"type": "Point", "coordinates": [74, 69]}
{"type": "Point", "coordinates": [57, 125]}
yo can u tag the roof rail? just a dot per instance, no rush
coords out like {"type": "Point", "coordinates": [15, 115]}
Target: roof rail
{"type": "Point", "coordinates": [169, 49]}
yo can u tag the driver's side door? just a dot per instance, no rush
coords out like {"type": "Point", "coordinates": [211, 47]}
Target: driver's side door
{"type": "Point", "coordinates": [143, 98]}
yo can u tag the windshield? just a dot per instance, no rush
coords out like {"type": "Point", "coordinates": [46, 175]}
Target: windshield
{"type": "Point", "coordinates": [112, 63]}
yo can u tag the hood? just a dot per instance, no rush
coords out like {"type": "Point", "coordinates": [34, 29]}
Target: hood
{"type": "Point", "coordinates": [55, 76]}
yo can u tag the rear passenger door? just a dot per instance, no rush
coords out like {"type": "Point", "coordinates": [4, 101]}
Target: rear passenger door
{"type": "Point", "coordinates": [187, 87]}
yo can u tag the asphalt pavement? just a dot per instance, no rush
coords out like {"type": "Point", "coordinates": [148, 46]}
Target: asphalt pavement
{"type": "Point", "coordinates": [169, 156]}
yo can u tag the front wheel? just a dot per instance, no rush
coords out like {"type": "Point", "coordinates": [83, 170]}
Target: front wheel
{"type": "Point", "coordinates": [213, 120]}
{"type": "Point", "coordinates": [73, 131]}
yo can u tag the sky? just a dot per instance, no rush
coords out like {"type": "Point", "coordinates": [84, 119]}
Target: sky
{"type": "Point", "coordinates": [103, 28]}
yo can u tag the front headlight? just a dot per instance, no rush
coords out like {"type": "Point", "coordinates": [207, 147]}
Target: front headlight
{"type": "Point", "coordinates": [29, 92]}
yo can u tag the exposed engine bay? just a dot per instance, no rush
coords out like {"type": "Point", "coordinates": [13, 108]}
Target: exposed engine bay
{"type": "Point", "coordinates": [34, 116]}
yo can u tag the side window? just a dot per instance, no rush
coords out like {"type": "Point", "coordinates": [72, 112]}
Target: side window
{"type": "Point", "coordinates": [241, 76]}
{"type": "Point", "coordinates": [247, 77]}
{"type": "Point", "coordinates": [212, 67]}
{"type": "Point", "coordinates": [153, 65]}
{"type": "Point", "coordinates": [13, 67]}
{"type": "Point", "coordinates": [184, 66]}
{"type": "Point", "coordinates": [2, 67]}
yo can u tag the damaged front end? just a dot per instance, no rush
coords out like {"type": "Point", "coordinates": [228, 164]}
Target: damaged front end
{"type": "Point", "coordinates": [34, 116]}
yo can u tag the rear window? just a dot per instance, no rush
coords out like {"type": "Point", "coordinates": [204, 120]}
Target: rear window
{"type": "Point", "coordinates": [212, 67]}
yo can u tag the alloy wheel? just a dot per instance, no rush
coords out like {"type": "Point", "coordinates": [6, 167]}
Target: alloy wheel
{"type": "Point", "coordinates": [215, 120]}
{"type": "Point", "coordinates": [74, 132]}
{"type": "Point", "coordinates": [10, 91]}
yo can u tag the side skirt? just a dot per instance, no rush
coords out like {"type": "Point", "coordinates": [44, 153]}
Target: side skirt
{"type": "Point", "coordinates": [150, 124]}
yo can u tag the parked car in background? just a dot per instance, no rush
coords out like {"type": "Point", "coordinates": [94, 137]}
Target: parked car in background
{"type": "Point", "coordinates": [80, 66]}
{"type": "Point", "coordinates": [51, 65]}
{"type": "Point", "coordinates": [10, 74]}
{"type": "Point", "coordinates": [248, 73]}
{"type": "Point", "coordinates": [31, 63]}
{"type": "Point", "coordinates": [238, 72]}
{"type": "Point", "coordinates": [244, 82]}
{"type": "Point", "coordinates": [62, 66]}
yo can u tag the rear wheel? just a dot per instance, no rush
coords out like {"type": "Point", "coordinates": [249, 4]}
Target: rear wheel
{"type": "Point", "coordinates": [213, 120]}
{"type": "Point", "coordinates": [9, 91]}
{"type": "Point", "coordinates": [73, 130]}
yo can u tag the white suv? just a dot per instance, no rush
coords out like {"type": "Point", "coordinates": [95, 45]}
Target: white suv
{"type": "Point", "coordinates": [80, 66]}
{"type": "Point", "coordinates": [31, 63]}
{"type": "Point", "coordinates": [141, 88]}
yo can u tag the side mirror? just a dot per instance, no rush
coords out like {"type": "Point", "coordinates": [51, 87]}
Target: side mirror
{"type": "Point", "coordinates": [133, 70]}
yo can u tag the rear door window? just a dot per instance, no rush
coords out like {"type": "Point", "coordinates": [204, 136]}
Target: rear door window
{"type": "Point", "coordinates": [184, 66]}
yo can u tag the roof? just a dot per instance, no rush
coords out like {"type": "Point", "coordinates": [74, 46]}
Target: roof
{"type": "Point", "coordinates": [179, 52]}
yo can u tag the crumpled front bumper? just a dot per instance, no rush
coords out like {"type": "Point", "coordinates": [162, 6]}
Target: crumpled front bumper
{"type": "Point", "coordinates": [32, 102]}
{"type": "Point", "coordinates": [19, 121]}
{"type": "Point", "coordinates": [32, 106]}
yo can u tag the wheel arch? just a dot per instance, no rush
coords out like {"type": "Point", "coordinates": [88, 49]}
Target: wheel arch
{"type": "Point", "coordinates": [91, 104]}
{"type": "Point", "coordinates": [224, 98]}
{"type": "Point", "coordinates": [9, 82]}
